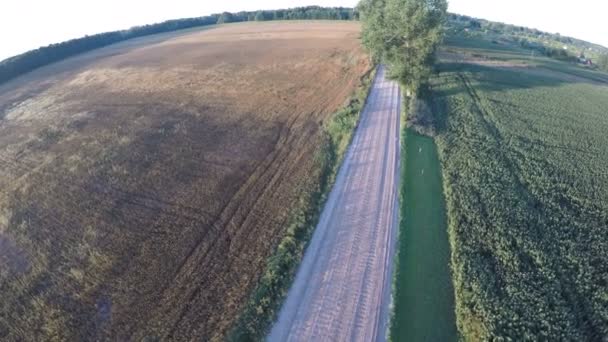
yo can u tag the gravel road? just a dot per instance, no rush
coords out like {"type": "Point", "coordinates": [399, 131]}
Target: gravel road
{"type": "Point", "coordinates": [342, 288]}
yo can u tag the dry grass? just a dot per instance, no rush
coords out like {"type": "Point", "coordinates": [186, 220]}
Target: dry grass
{"type": "Point", "coordinates": [144, 185]}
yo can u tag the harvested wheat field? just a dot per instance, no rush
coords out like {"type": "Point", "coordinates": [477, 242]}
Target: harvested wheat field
{"type": "Point", "coordinates": [144, 185]}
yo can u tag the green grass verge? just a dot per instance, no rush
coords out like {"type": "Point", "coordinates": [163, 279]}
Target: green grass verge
{"type": "Point", "coordinates": [266, 299]}
{"type": "Point", "coordinates": [424, 296]}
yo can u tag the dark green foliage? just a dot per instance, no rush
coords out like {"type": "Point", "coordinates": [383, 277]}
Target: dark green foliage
{"type": "Point", "coordinates": [28, 61]}
{"type": "Point", "coordinates": [308, 13]}
{"type": "Point", "coordinates": [560, 54]}
{"type": "Point", "coordinates": [226, 18]}
{"type": "Point", "coordinates": [474, 24]}
{"type": "Point", "coordinates": [420, 117]}
{"type": "Point", "coordinates": [524, 165]}
{"type": "Point", "coordinates": [602, 62]}
{"type": "Point", "coordinates": [374, 32]}
{"type": "Point", "coordinates": [557, 53]}
{"type": "Point", "coordinates": [259, 16]}
{"type": "Point", "coordinates": [266, 299]}
{"type": "Point", "coordinates": [404, 34]}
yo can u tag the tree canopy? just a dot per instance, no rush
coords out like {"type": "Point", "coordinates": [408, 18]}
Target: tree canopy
{"type": "Point", "coordinates": [225, 18]}
{"type": "Point", "coordinates": [404, 34]}
{"type": "Point", "coordinates": [602, 62]}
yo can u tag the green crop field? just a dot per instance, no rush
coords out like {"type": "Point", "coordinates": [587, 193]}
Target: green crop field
{"type": "Point", "coordinates": [424, 298]}
{"type": "Point", "coordinates": [523, 145]}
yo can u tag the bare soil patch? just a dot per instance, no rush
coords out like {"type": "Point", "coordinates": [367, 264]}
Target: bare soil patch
{"type": "Point", "coordinates": [144, 185]}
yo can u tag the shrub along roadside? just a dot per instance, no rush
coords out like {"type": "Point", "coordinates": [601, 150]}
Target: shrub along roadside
{"type": "Point", "coordinates": [266, 299]}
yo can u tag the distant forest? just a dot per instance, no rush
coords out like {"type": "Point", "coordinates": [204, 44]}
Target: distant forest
{"type": "Point", "coordinates": [28, 61]}
{"type": "Point", "coordinates": [501, 28]}
{"type": "Point", "coordinates": [548, 44]}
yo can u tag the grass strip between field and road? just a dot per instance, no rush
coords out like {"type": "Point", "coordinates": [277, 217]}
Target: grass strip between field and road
{"type": "Point", "coordinates": [265, 301]}
{"type": "Point", "coordinates": [423, 292]}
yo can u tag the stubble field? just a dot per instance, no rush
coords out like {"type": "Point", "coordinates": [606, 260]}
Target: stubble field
{"type": "Point", "coordinates": [144, 185]}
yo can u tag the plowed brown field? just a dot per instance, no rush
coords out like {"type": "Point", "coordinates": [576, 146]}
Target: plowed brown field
{"type": "Point", "coordinates": [144, 185]}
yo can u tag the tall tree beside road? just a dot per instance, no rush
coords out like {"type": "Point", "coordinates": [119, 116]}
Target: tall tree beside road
{"type": "Point", "coordinates": [372, 16]}
{"type": "Point", "coordinates": [404, 34]}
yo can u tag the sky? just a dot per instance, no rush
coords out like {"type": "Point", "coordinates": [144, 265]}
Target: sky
{"type": "Point", "coordinates": [29, 24]}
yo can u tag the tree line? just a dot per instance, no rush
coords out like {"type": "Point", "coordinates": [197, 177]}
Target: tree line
{"type": "Point", "coordinates": [28, 61]}
{"type": "Point", "coordinates": [463, 21]}
{"type": "Point", "coordinates": [534, 39]}
{"type": "Point", "coordinates": [299, 13]}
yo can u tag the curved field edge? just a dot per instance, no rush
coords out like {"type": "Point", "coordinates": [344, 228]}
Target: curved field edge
{"type": "Point", "coordinates": [15, 66]}
{"type": "Point", "coordinates": [265, 301]}
{"type": "Point", "coordinates": [422, 296]}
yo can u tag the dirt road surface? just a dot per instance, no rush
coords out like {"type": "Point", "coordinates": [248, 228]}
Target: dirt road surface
{"type": "Point", "coordinates": [342, 288]}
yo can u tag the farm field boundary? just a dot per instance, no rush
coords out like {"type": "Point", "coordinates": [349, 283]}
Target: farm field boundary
{"type": "Point", "coordinates": [266, 299]}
